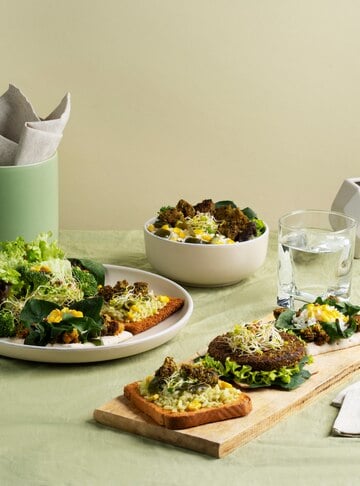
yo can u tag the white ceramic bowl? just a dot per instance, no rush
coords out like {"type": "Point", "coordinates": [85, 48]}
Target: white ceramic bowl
{"type": "Point", "coordinates": [205, 265]}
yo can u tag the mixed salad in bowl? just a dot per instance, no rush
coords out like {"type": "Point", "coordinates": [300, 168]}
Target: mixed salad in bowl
{"type": "Point", "coordinates": [207, 222]}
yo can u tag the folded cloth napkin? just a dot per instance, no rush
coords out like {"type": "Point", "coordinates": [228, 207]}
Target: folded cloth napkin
{"type": "Point", "coordinates": [337, 401]}
{"type": "Point", "coordinates": [25, 138]}
{"type": "Point", "coordinates": [347, 422]}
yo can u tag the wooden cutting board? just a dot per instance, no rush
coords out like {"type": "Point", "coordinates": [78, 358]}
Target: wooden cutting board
{"type": "Point", "coordinates": [269, 407]}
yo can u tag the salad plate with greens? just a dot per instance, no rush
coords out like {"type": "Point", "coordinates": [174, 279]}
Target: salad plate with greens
{"type": "Point", "coordinates": [53, 308]}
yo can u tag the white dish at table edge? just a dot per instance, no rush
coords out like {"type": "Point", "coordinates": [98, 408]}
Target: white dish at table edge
{"type": "Point", "coordinates": [152, 338]}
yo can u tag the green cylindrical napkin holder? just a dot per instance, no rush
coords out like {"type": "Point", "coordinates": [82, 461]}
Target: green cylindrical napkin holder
{"type": "Point", "coordinates": [29, 200]}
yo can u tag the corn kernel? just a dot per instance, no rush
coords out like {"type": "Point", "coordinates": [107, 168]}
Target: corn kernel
{"type": "Point", "coordinates": [194, 405]}
{"type": "Point", "coordinates": [154, 397]}
{"type": "Point", "coordinates": [179, 232]}
{"type": "Point", "coordinates": [40, 268]}
{"type": "Point", "coordinates": [55, 316]}
{"type": "Point", "coordinates": [224, 384]}
{"type": "Point", "coordinates": [164, 299]}
{"type": "Point", "coordinates": [73, 312]}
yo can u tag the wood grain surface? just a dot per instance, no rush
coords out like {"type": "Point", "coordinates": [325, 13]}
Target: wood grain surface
{"type": "Point", "coordinates": [269, 407]}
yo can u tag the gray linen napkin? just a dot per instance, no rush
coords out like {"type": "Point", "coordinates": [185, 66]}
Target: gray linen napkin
{"type": "Point", "coordinates": [347, 422]}
{"type": "Point", "coordinates": [337, 401]}
{"type": "Point", "coordinates": [25, 138]}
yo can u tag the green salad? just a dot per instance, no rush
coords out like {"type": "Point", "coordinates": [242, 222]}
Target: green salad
{"type": "Point", "coordinates": [207, 222]}
{"type": "Point", "coordinates": [325, 320]}
{"type": "Point", "coordinates": [46, 297]}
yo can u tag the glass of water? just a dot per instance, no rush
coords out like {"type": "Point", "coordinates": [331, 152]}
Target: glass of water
{"type": "Point", "coordinates": [316, 251]}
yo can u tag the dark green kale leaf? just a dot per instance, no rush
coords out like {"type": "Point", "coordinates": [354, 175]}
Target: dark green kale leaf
{"type": "Point", "coordinates": [42, 332]}
{"type": "Point", "coordinates": [35, 311]}
{"type": "Point", "coordinates": [90, 307]}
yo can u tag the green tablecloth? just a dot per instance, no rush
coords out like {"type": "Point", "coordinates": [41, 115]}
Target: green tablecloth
{"type": "Point", "coordinates": [48, 436]}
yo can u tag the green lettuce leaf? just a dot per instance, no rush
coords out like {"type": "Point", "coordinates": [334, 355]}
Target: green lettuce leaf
{"type": "Point", "coordinates": [287, 378]}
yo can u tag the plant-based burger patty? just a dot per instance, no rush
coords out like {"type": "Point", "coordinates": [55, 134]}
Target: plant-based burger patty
{"type": "Point", "coordinates": [292, 351]}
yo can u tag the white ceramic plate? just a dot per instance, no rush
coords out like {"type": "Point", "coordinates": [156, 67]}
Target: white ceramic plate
{"type": "Point", "coordinates": [144, 341]}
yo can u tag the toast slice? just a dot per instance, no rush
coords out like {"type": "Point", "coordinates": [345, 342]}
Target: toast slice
{"type": "Point", "coordinates": [170, 308]}
{"type": "Point", "coordinates": [183, 420]}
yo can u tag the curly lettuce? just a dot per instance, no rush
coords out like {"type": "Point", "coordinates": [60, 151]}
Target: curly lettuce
{"type": "Point", "coordinates": [39, 270]}
{"type": "Point", "coordinates": [286, 377]}
{"type": "Point", "coordinates": [19, 253]}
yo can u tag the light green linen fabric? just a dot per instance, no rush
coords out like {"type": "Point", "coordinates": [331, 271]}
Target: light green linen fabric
{"type": "Point", "coordinates": [48, 436]}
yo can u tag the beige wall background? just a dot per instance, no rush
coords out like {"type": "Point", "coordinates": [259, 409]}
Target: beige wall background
{"type": "Point", "coordinates": [254, 101]}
